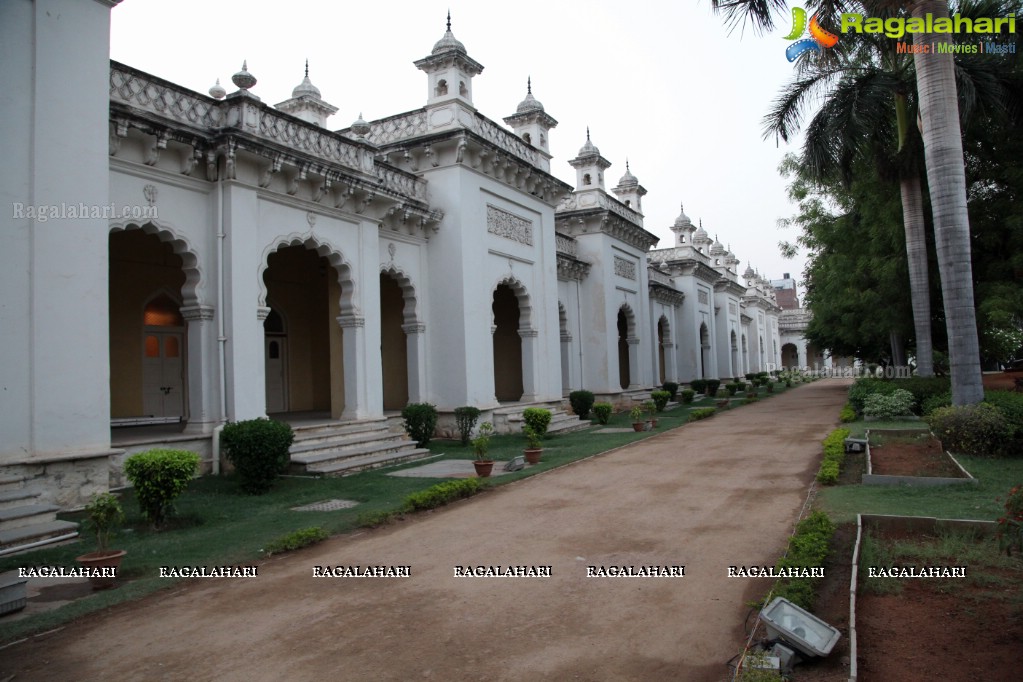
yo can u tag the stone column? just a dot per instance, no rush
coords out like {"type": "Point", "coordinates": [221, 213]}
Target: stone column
{"type": "Point", "coordinates": [801, 353]}
{"type": "Point", "coordinates": [353, 351]}
{"type": "Point", "coordinates": [415, 350]}
{"type": "Point", "coordinates": [567, 384]}
{"type": "Point", "coordinates": [670, 371]}
{"type": "Point", "coordinates": [202, 374]}
{"type": "Point", "coordinates": [529, 378]}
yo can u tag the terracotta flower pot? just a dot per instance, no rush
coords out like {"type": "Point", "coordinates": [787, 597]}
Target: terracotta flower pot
{"type": "Point", "coordinates": [483, 467]}
{"type": "Point", "coordinates": [639, 426]}
{"type": "Point", "coordinates": [533, 455]}
{"type": "Point", "coordinates": [108, 559]}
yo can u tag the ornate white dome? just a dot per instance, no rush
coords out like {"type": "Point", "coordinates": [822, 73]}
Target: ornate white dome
{"type": "Point", "coordinates": [589, 148]}
{"type": "Point", "coordinates": [306, 87]}
{"type": "Point", "coordinates": [530, 103]}
{"type": "Point", "coordinates": [448, 41]}
{"type": "Point", "coordinates": [628, 180]}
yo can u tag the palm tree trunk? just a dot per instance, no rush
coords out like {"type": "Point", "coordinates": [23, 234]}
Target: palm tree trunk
{"type": "Point", "coordinates": [946, 178]}
{"type": "Point", "coordinates": [919, 287]}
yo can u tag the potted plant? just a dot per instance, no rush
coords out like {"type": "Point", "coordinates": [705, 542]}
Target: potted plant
{"type": "Point", "coordinates": [103, 514]}
{"type": "Point", "coordinates": [534, 445]}
{"type": "Point", "coordinates": [638, 423]}
{"type": "Point", "coordinates": [651, 407]}
{"type": "Point", "coordinates": [480, 446]}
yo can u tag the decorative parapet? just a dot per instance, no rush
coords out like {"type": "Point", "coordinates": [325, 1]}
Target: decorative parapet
{"type": "Point", "coordinates": [571, 202]}
{"type": "Point", "coordinates": [659, 277]}
{"type": "Point", "coordinates": [566, 245]}
{"type": "Point", "coordinates": [247, 115]}
{"type": "Point", "coordinates": [413, 124]}
{"type": "Point", "coordinates": [675, 253]}
{"type": "Point", "coordinates": [398, 127]}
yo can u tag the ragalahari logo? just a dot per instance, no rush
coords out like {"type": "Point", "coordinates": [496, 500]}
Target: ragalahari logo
{"type": "Point", "coordinates": [818, 40]}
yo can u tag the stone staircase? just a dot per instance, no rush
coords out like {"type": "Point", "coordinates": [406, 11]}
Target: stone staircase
{"type": "Point", "coordinates": [510, 420]}
{"type": "Point", "coordinates": [342, 448]}
{"type": "Point", "coordinates": [25, 523]}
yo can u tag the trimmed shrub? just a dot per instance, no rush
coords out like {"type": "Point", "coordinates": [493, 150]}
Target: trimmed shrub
{"type": "Point", "coordinates": [660, 399]}
{"type": "Point", "coordinates": [603, 412]}
{"type": "Point", "coordinates": [834, 456]}
{"type": "Point", "coordinates": [672, 388]}
{"type": "Point", "coordinates": [924, 388]}
{"type": "Point", "coordinates": [934, 402]}
{"type": "Point", "coordinates": [296, 540]}
{"type": "Point", "coordinates": [158, 477]}
{"type": "Point", "coordinates": [732, 388]}
{"type": "Point", "coordinates": [1011, 406]}
{"type": "Point", "coordinates": [749, 377]}
{"type": "Point", "coordinates": [582, 402]}
{"type": "Point", "coordinates": [466, 418]}
{"type": "Point", "coordinates": [712, 386]}
{"type": "Point", "coordinates": [538, 419]}
{"type": "Point", "coordinates": [442, 493]}
{"type": "Point", "coordinates": [899, 403]}
{"type": "Point", "coordinates": [258, 449]}
{"type": "Point", "coordinates": [808, 548]}
{"type": "Point", "coordinates": [865, 386]}
{"type": "Point", "coordinates": [701, 413]}
{"type": "Point", "coordinates": [687, 395]}
{"type": "Point", "coordinates": [420, 422]}
{"type": "Point", "coordinates": [848, 414]}
{"type": "Point", "coordinates": [977, 430]}
{"type": "Point", "coordinates": [698, 385]}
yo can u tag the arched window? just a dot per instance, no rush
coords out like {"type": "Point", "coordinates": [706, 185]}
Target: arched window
{"type": "Point", "coordinates": [586, 179]}
{"type": "Point", "coordinates": [442, 87]}
{"type": "Point", "coordinates": [527, 138]}
{"type": "Point", "coordinates": [162, 311]}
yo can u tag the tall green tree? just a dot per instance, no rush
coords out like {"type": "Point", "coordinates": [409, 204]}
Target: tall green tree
{"type": "Point", "coordinates": [939, 116]}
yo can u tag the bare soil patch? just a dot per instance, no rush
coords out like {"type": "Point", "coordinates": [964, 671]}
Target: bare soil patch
{"type": "Point", "coordinates": [913, 456]}
{"type": "Point", "coordinates": [932, 629]}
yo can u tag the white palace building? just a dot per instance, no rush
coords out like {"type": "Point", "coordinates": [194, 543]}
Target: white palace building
{"type": "Point", "coordinates": [268, 263]}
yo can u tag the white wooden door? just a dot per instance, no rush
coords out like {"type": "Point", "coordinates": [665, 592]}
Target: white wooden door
{"type": "Point", "coordinates": [162, 374]}
{"type": "Point", "coordinates": [276, 379]}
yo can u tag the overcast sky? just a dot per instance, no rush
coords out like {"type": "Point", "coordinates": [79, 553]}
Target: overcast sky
{"type": "Point", "coordinates": [659, 82]}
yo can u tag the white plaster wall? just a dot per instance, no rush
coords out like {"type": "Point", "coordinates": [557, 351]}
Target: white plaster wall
{"type": "Point", "coordinates": [54, 158]}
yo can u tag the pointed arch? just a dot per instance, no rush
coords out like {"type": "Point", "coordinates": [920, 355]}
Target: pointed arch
{"type": "Point", "coordinates": [193, 289]}
{"type": "Point", "coordinates": [408, 292]}
{"type": "Point", "coordinates": [323, 248]}
{"type": "Point", "coordinates": [525, 304]}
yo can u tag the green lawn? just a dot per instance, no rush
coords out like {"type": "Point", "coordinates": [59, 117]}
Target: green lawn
{"type": "Point", "coordinates": [217, 525]}
{"type": "Point", "coordinates": [996, 477]}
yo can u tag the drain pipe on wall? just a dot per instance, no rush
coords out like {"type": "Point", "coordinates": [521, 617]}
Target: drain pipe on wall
{"type": "Point", "coordinates": [221, 335]}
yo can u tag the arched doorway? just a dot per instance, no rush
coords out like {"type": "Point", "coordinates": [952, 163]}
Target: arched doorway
{"type": "Point", "coordinates": [148, 354]}
{"type": "Point", "coordinates": [624, 369]}
{"type": "Point", "coordinates": [704, 350]}
{"type": "Point", "coordinates": [736, 367]}
{"type": "Point", "coordinates": [663, 339]}
{"type": "Point", "coordinates": [301, 291]}
{"type": "Point", "coordinates": [393, 343]}
{"type": "Point", "coordinates": [507, 345]}
{"type": "Point", "coordinates": [789, 355]}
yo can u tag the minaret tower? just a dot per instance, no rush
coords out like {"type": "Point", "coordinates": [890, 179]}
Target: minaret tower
{"type": "Point", "coordinates": [629, 191]}
{"type": "Point", "coordinates": [589, 166]}
{"type": "Point", "coordinates": [306, 104]}
{"type": "Point", "coordinates": [533, 124]}
{"type": "Point", "coordinates": [449, 70]}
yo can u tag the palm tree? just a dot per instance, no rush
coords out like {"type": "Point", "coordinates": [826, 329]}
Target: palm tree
{"type": "Point", "coordinates": [935, 75]}
{"type": "Point", "coordinates": [867, 87]}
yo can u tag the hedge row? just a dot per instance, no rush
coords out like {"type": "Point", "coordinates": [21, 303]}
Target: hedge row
{"type": "Point", "coordinates": [834, 455]}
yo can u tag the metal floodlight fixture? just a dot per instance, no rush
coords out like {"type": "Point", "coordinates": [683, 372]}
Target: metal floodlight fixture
{"type": "Point", "coordinates": [800, 629]}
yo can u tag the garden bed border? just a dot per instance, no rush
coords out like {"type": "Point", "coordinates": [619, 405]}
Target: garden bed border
{"type": "Point", "coordinates": [871, 478]}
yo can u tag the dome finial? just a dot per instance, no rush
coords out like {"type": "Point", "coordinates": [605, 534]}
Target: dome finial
{"type": "Point", "coordinates": [626, 164]}
{"type": "Point", "coordinates": [307, 67]}
{"type": "Point", "coordinates": [449, 19]}
{"type": "Point", "coordinates": [529, 85]}
{"type": "Point", "coordinates": [587, 133]}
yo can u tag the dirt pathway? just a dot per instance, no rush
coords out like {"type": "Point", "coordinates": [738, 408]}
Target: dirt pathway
{"type": "Point", "coordinates": [721, 492]}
